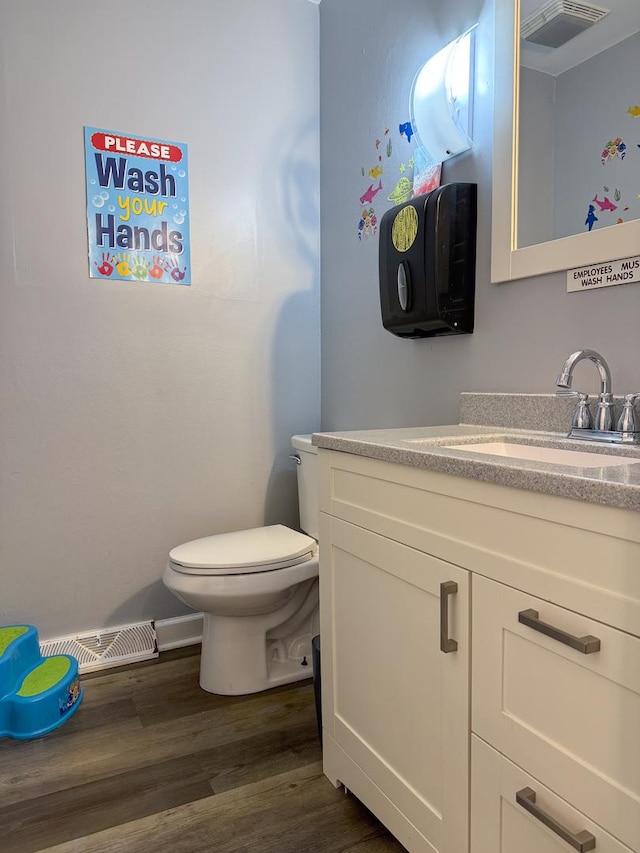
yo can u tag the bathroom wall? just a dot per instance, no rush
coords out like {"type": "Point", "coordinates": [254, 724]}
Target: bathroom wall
{"type": "Point", "coordinates": [565, 124]}
{"type": "Point", "coordinates": [136, 416]}
{"type": "Point", "coordinates": [592, 103]}
{"type": "Point", "coordinates": [370, 52]}
{"type": "Point", "coordinates": [536, 157]}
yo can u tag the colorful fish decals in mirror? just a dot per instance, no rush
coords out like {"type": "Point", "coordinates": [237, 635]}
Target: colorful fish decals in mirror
{"type": "Point", "coordinates": [613, 148]}
{"type": "Point", "coordinates": [591, 217]}
{"type": "Point", "coordinates": [605, 204]}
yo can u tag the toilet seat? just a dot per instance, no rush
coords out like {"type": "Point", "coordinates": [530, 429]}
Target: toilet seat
{"type": "Point", "coordinates": [261, 549]}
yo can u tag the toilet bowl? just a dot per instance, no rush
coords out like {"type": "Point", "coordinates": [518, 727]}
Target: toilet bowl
{"type": "Point", "coordinates": [258, 591]}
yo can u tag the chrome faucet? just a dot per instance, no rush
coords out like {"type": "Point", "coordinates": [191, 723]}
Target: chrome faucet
{"type": "Point", "coordinates": [582, 417]}
{"type": "Point", "coordinates": [602, 428]}
{"type": "Point", "coordinates": [566, 371]}
{"type": "Point", "coordinates": [627, 422]}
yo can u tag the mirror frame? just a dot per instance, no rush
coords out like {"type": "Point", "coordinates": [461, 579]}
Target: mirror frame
{"type": "Point", "coordinates": [508, 262]}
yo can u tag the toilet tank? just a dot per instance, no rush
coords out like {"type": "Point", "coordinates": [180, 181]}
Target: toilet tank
{"type": "Point", "coordinates": [307, 484]}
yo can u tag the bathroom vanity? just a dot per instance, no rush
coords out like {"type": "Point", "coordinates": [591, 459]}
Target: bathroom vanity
{"type": "Point", "coordinates": [480, 621]}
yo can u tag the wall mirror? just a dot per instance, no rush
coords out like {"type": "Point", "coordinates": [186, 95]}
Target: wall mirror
{"type": "Point", "coordinates": [566, 166]}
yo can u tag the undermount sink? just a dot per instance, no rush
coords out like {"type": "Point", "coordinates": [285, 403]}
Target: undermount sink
{"type": "Point", "coordinates": [552, 455]}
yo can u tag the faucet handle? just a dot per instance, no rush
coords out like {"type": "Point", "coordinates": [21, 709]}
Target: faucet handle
{"type": "Point", "coordinates": [627, 420]}
{"type": "Point", "coordinates": [604, 412]}
{"type": "Point", "coordinates": [582, 414]}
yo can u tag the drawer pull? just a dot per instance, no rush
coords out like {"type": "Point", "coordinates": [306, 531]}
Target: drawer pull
{"type": "Point", "coordinates": [587, 645]}
{"type": "Point", "coordinates": [582, 841]}
{"type": "Point", "coordinates": [446, 643]}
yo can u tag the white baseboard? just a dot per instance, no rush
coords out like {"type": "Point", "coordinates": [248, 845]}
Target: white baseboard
{"type": "Point", "coordinates": [179, 631]}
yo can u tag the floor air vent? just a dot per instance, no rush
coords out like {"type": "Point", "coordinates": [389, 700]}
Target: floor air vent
{"type": "Point", "coordinates": [103, 649]}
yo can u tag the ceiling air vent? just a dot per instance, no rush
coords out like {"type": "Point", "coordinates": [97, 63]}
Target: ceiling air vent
{"type": "Point", "coordinates": [560, 20]}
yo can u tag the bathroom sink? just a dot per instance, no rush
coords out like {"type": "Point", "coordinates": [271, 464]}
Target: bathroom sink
{"type": "Point", "coordinates": [551, 455]}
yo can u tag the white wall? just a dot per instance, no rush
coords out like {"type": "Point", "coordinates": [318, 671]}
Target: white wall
{"type": "Point", "coordinates": [134, 417]}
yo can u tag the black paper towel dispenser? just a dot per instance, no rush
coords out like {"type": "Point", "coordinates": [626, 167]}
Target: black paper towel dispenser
{"type": "Point", "coordinates": [428, 263]}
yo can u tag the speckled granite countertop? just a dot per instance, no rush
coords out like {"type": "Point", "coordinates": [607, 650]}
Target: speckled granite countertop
{"type": "Point", "coordinates": [425, 447]}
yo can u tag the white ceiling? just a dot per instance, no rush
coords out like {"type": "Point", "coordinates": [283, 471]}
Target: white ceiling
{"type": "Point", "coordinates": [622, 22]}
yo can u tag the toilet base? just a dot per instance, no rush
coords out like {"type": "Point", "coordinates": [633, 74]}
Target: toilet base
{"type": "Point", "coordinates": [293, 668]}
{"type": "Point", "coordinates": [242, 655]}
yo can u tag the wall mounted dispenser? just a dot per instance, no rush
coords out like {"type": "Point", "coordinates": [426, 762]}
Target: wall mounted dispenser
{"type": "Point", "coordinates": [427, 263]}
{"type": "Point", "coordinates": [441, 100]}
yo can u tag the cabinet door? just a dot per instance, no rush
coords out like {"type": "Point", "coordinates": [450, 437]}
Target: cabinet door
{"type": "Point", "coordinates": [396, 703]}
{"type": "Point", "coordinates": [568, 715]}
{"type": "Point", "coordinates": [502, 824]}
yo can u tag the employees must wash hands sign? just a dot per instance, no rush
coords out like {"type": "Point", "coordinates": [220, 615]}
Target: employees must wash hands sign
{"type": "Point", "coordinates": [137, 208]}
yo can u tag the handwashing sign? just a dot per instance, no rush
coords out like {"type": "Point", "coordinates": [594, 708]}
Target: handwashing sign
{"type": "Point", "coordinates": [626, 271]}
{"type": "Point", "coordinates": [137, 208]}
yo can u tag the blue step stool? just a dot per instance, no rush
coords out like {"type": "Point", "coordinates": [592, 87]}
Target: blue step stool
{"type": "Point", "coordinates": [37, 694]}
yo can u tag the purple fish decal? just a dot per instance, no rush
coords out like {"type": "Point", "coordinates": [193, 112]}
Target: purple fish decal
{"type": "Point", "coordinates": [368, 196]}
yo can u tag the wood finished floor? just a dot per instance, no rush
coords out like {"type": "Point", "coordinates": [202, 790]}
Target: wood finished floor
{"type": "Point", "coordinates": [151, 762]}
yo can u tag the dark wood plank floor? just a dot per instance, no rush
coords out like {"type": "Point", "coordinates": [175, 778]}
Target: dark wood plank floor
{"type": "Point", "coordinates": [152, 762]}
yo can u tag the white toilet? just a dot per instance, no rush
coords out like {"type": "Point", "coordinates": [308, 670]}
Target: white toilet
{"type": "Point", "coordinates": [258, 590]}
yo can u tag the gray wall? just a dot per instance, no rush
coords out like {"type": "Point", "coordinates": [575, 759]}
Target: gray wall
{"type": "Point", "coordinates": [136, 416]}
{"type": "Point", "coordinates": [536, 157]}
{"type": "Point", "coordinates": [591, 102]}
{"type": "Point", "coordinates": [370, 52]}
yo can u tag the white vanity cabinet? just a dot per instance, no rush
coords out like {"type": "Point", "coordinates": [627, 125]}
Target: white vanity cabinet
{"type": "Point", "coordinates": [516, 741]}
{"type": "Point", "coordinates": [559, 694]}
{"type": "Point", "coordinates": [501, 824]}
{"type": "Point", "coordinates": [396, 707]}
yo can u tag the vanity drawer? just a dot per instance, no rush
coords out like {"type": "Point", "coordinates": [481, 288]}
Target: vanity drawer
{"type": "Point", "coordinates": [582, 556]}
{"type": "Point", "coordinates": [571, 718]}
{"type": "Point", "coordinates": [502, 824]}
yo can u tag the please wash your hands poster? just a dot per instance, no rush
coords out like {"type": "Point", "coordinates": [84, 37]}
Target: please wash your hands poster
{"type": "Point", "coordinates": [137, 208]}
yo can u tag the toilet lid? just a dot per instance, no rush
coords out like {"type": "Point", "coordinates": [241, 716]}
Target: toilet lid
{"type": "Point", "coordinates": [245, 551]}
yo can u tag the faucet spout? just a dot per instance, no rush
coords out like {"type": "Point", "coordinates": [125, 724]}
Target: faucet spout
{"type": "Point", "coordinates": [566, 371]}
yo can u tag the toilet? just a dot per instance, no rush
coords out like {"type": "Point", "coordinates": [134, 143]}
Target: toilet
{"type": "Point", "coordinates": [258, 590]}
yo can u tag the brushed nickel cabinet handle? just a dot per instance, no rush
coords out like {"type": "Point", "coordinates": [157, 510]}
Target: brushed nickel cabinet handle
{"type": "Point", "coordinates": [582, 841]}
{"type": "Point", "coordinates": [446, 643]}
{"type": "Point", "coordinates": [587, 645]}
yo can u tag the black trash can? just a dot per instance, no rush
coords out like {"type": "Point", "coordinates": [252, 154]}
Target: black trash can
{"type": "Point", "coordinates": [317, 681]}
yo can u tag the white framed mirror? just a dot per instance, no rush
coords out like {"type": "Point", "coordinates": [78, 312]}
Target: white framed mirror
{"type": "Point", "coordinates": [548, 215]}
